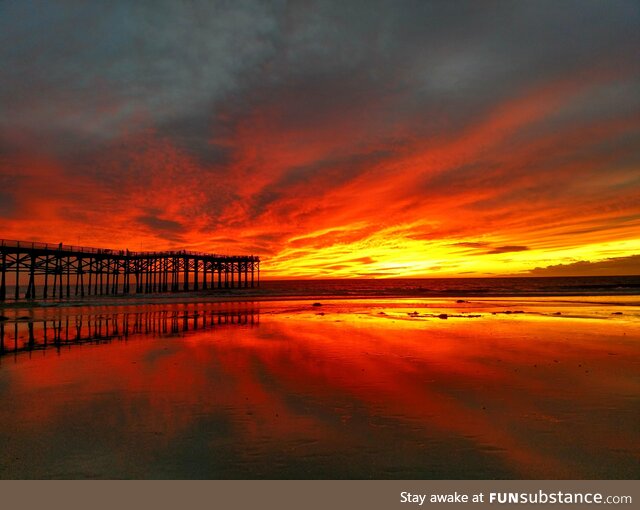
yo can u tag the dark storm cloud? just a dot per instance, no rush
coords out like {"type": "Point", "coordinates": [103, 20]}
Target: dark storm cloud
{"type": "Point", "coordinates": [507, 249]}
{"type": "Point", "coordinates": [168, 230]}
{"type": "Point", "coordinates": [191, 134]}
{"type": "Point", "coordinates": [96, 68]}
{"type": "Point", "coordinates": [7, 203]}
{"type": "Point", "coordinates": [610, 267]}
{"type": "Point", "coordinates": [160, 224]}
{"type": "Point", "coordinates": [484, 248]}
{"type": "Point", "coordinates": [8, 185]}
{"type": "Point", "coordinates": [106, 63]}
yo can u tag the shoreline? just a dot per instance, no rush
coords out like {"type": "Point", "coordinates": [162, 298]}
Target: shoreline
{"type": "Point", "coordinates": [451, 301]}
{"type": "Point", "coordinates": [207, 297]}
{"type": "Point", "coordinates": [614, 309]}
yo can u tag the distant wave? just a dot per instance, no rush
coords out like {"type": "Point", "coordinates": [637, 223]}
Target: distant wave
{"type": "Point", "coordinates": [448, 287]}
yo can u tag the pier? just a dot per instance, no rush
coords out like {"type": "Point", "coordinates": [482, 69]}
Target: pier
{"type": "Point", "coordinates": [30, 270]}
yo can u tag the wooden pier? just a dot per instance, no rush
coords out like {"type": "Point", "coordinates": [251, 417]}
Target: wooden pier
{"type": "Point", "coordinates": [59, 271]}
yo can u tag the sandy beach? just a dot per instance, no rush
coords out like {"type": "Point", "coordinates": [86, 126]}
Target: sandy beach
{"type": "Point", "coordinates": [343, 388]}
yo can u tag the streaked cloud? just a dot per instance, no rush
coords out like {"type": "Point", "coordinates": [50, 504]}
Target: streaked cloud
{"type": "Point", "coordinates": [366, 138]}
{"type": "Point", "coordinates": [506, 249]}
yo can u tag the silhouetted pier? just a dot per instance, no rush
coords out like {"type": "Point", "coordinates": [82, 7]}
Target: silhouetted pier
{"type": "Point", "coordinates": [45, 270]}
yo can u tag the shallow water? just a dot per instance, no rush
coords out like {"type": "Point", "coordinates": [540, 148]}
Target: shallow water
{"type": "Point", "coordinates": [349, 389]}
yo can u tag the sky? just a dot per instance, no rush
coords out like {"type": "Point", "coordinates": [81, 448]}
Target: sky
{"type": "Point", "coordinates": [333, 139]}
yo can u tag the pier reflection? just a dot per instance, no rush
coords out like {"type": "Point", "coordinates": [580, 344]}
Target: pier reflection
{"type": "Point", "coordinates": [26, 334]}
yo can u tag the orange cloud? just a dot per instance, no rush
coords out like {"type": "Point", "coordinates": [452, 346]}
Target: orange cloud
{"type": "Point", "coordinates": [336, 192]}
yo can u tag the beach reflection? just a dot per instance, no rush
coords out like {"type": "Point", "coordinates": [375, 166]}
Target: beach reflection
{"type": "Point", "coordinates": [225, 391]}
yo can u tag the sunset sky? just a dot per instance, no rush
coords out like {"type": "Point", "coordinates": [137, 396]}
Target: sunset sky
{"type": "Point", "coordinates": [333, 139]}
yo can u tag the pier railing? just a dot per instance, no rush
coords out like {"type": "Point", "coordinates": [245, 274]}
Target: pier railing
{"type": "Point", "coordinates": [10, 243]}
{"type": "Point", "coordinates": [111, 272]}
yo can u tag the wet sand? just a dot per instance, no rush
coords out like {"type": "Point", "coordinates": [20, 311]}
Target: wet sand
{"type": "Point", "coordinates": [403, 388]}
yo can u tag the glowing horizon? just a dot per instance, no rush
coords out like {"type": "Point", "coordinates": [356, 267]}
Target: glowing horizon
{"type": "Point", "coordinates": [410, 140]}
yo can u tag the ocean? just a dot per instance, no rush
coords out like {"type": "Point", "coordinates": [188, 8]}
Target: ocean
{"type": "Point", "coordinates": [448, 287]}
